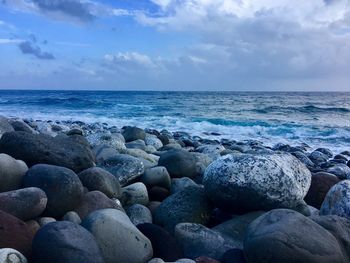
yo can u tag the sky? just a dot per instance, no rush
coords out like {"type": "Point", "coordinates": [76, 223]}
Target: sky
{"type": "Point", "coordinates": [243, 45]}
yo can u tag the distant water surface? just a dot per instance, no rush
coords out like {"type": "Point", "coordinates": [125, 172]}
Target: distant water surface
{"type": "Point", "coordinates": [318, 119]}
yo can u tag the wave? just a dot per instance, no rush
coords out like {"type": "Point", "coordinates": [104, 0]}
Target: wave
{"type": "Point", "coordinates": [304, 109]}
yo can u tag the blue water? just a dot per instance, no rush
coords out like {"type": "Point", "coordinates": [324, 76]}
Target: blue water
{"type": "Point", "coordinates": [318, 119]}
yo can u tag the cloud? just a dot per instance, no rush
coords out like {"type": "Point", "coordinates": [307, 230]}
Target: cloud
{"type": "Point", "coordinates": [30, 48]}
{"type": "Point", "coordinates": [4, 41]}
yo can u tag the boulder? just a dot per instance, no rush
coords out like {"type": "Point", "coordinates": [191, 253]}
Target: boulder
{"type": "Point", "coordinates": [321, 182]}
{"type": "Point", "coordinates": [164, 245]}
{"type": "Point", "coordinates": [24, 204]}
{"type": "Point", "coordinates": [179, 163]}
{"type": "Point", "coordinates": [11, 173]}
{"type": "Point", "coordinates": [96, 178]}
{"type": "Point", "coordinates": [118, 239]}
{"type": "Point", "coordinates": [14, 233]}
{"type": "Point", "coordinates": [19, 125]}
{"type": "Point", "coordinates": [73, 217]}
{"type": "Point", "coordinates": [233, 256]}
{"type": "Point", "coordinates": [134, 194]}
{"type": "Point", "coordinates": [61, 185]}
{"type": "Point", "coordinates": [156, 176]}
{"type": "Point", "coordinates": [43, 149]}
{"type": "Point", "coordinates": [325, 151]}
{"type": "Point", "coordinates": [114, 140]}
{"type": "Point", "coordinates": [246, 182]}
{"type": "Point", "coordinates": [283, 235]}
{"type": "Point", "coordinates": [179, 184]}
{"type": "Point", "coordinates": [213, 151]}
{"type": "Point", "coordinates": [153, 140]}
{"type": "Point", "coordinates": [133, 133]}
{"type": "Point", "coordinates": [342, 171]}
{"type": "Point", "coordinates": [188, 206]}
{"type": "Point", "coordinates": [337, 200]}
{"type": "Point", "coordinates": [65, 242]}
{"type": "Point", "coordinates": [318, 157]}
{"type": "Point", "coordinates": [157, 193]}
{"type": "Point", "coordinates": [5, 126]}
{"type": "Point", "coordinates": [9, 255]}
{"type": "Point", "coordinates": [139, 214]}
{"type": "Point", "coordinates": [197, 240]}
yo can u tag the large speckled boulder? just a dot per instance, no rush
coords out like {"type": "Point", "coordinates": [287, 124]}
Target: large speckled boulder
{"type": "Point", "coordinates": [287, 236]}
{"type": "Point", "coordinates": [244, 182]}
{"type": "Point", "coordinates": [114, 140]}
{"type": "Point", "coordinates": [61, 185]}
{"type": "Point", "coordinates": [65, 242]}
{"type": "Point", "coordinates": [179, 163]}
{"type": "Point", "coordinates": [188, 206]}
{"type": "Point", "coordinates": [337, 200]}
{"type": "Point", "coordinates": [11, 173]}
{"type": "Point", "coordinates": [118, 239]}
{"type": "Point", "coordinates": [33, 149]}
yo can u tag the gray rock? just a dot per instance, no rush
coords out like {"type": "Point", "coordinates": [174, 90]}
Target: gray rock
{"type": "Point", "coordinates": [156, 176]}
{"type": "Point", "coordinates": [125, 167]}
{"type": "Point", "coordinates": [153, 141]}
{"type": "Point", "coordinates": [171, 146]}
{"type": "Point", "coordinates": [197, 240]}
{"type": "Point", "coordinates": [246, 182]}
{"type": "Point", "coordinates": [203, 161]}
{"type": "Point", "coordinates": [65, 242]}
{"type": "Point", "coordinates": [24, 204]}
{"type": "Point", "coordinates": [9, 255]}
{"type": "Point", "coordinates": [326, 152]}
{"type": "Point", "coordinates": [185, 260]}
{"type": "Point", "coordinates": [113, 140]}
{"type": "Point", "coordinates": [96, 178]}
{"type": "Point", "coordinates": [133, 133]}
{"type": "Point", "coordinates": [61, 185]}
{"type": "Point", "coordinates": [318, 157]}
{"type": "Point", "coordinates": [11, 173]}
{"type": "Point", "coordinates": [137, 144]}
{"type": "Point", "coordinates": [179, 163]}
{"type": "Point", "coordinates": [187, 206]}
{"type": "Point", "coordinates": [139, 214]}
{"type": "Point", "coordinates": [72, 217]}
{"type": "Point", "coordinates": [286, 236]}
{"type": "Point", "coordinates": [19, 125]}
{"type": "Point", "coordinates": [156, 260]}
{"type": "Point", "coordinates": [337, 200]}
{"type": "Point", "coordinates": [134, 194]}
{"type": "Point", "coordinates": [304, 159]}
{"type": "Point", "coordinates": [213, 151]}
{"type": "Point", "coordinates": [34, 149]}
{"type": "Point", "coordinates": [179, 184]}
{"type": "Point", "coordinates": [342, 171]}
{"type": "Point", "coordinates": [5, 126]}
{"type": "Point", "coordinates": [46, 220]}
{"type": "Point", "coordinates": [118, 239]}
{"type": "Point", "coordinates": [103, 152]}
{"type": "Point", "coordinates": [236, 227]}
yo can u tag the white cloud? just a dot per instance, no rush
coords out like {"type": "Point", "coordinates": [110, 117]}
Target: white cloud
{"type": "Point", "coordinates": [4, 41]}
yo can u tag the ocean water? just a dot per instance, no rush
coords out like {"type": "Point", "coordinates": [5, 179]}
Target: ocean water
{"type": "Point", "coordinates": [318, 119]}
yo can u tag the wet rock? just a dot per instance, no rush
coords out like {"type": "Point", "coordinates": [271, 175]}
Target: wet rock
{"type": "Point", "coordinates": [342, 171]}
{"type": "Point", "coordinates": [134, 194]}
{"type": "Point", "coordinates": [19, 125]}
{"type": "Point", "coordinates": [5, 126]}
{"type": "Point", "coordinates": [326, 152]}
{"type": "Point", "coordinates": [139, 214]}
{"type": "Point", "coordinates": [133, 133]}
{"type": "Point", "coordinates": [318, 157]}
{"type": "Point", "coordinates": [156, 176]}
{"type": "Point", "coordinates": [179, 184]}
{"type": "Point", "coordinates": [157, 193]}
{"type": "Point", "coordinates": [11, 173]}
{"type": "Point", "coordinates": [153, 141]}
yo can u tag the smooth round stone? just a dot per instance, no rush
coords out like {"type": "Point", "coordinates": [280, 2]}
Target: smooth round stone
{"type": "Point", "coordinates": [190, 205]}
{"type": "Point", "coordinates": [197, 240]}
{"type": "Point", "coordinates": [75, 131]}
{"type": "Point", "coordinates": [5, 126]}
{"type": "Point", "coordinates": [125, 167]}
{"type": "Point", "coordinates": [46, 220]}
{"type": "Point", "coordinates": [318, 157]}
{"type": "Point", "coordinates": [304, 159]}
{"type": "Point", "coordinates": [64, 151]}
{"type": "Point", "coordinates": [24, 204]}
{"type": "Point", "coordinates": [11, 173]}
{"type": "Point", "coordinates": [114, 140]}
{"type": "Point", "coordinates": [14, 233]}
{"type": "Point", "coordinates": [156, 260]}
{"type": "Point", "coordinates": [185, 260]}
{"type": "Point", "coordinates": [9, 255]}
{"type": "Point", "coordinates": [134, 194]}
{"type": "Point", "coordinates": [179, 184]}
{"type": "Point", "coordinates": [337, 200]}
{"type": "Point", "coordinates": [153, 205]}
{"type": "Point", "coordinates": [93, 201]}
{"type": "Point", "coordinates": [213, 151]}
{"type": "Point", "coordinates": [118, 239]}
{"type": "Point", "coordinates": [137, 144]}
{"type": "Point", "coordinates": [206, 260]}
{"type": "Point", "coordinates": [283, 235]}
{"type": "Point", "coordinates": [65, 242]}
{"type": "Point", "coordinates": [133, 133]}
{"type": "Point", "coordinates": [321, 182]}
{"type": "Point", "coordinates": [164, 245]}
{"type": "Point", "coordinates": [156, 176]}
{"type": "Point", "coordinates": [342, 171]}
{"type": "Point", "coordinates": [20, 125]}
{"type": "Point", "coordinates": [233, 256]}
{"type": "Point", "coordinates": [61, 185]}
{"type": "Point", "coordinates": [139, 214]}
{"type": "Point", "coordinates": [103, 152]}
{"type": "Point", "coordinates": [246, 182]}
{"type": "Point", "coordinates": [73, 217]}
{"type": "Point", "coordinates": [141, 154]}
{"type": "Point", "coordinates": [33, 226]}
{"type": "Point", "coordinates": [326, 152]}
{"type": "Point", "coordinates": [153, 141]}
{"type": "Point", "coordinates": [202, 162]}
{"type": "Point", "coordinates": [179, 163]}
{"type": "Point", "coordinates": [157, 193]}
{"type": "Point", "coordinates": [96, 178]}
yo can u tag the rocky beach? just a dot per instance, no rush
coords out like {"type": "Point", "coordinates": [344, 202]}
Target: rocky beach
{"type": "Point", "coordinates": [74, 192]}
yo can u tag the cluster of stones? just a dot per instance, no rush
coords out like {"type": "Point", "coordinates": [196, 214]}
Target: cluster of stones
{"type": "Point", "coordinates": [76, 192]}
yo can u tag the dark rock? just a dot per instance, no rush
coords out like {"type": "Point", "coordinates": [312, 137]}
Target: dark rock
{"type": "Point", "coordinates": [318, 157]}
{"type": "Point", "coordinates": [61, 185]}
{"type": "Point", "coordinates": [24, 204]}
{"type": "Point", "coordinates": [246, 182]}
{"type": "Point", "coordinates": [157, 193]}
{"type": "Point", "coordinates": [98, 179]}
{"type": "Point", "coordinates": [321, 182]}
{"type": "Point", "coordinates": [189, 205]}
{"type": "Point", "coordinates": [133, 133]}
{"type": "Point", "coordinates": [233, 256]}
{"type": "Point", "coordinates": [206, 260]}
{"type": "Point", "coordinates": [22, 126]}
{"type": "Point", "coordinates": [340, 170]}
{"type": "Point", "coordinates": [73, 217]}
{"type": "Point", "coordinates": [325, 151]}
{"type": "Point", "coordinates": [44, 149]}
{"type": "Point", "coordinates": [286, 236]}
{"type": "Point", "coordinates": [164, 245]}
{"type": "Point", "coordinates": [156, 176]}
{"type": "Point", "coordinates": [65, 242]}
{"type": "Point", "coordinates": [134, 194]}
{"type": "Point", "coordinates": [14, 233]}
{"type": "Point", "coordinates": [164, 139]}
{"type": "Point", "coordinates": [93, 201]}
{"type": "Point", "coordinates": [75, 131]}
{"type": "Point", "coordinates": [179, 184]}
{"type": "Point", "coordinates": [5, 126]}
{"type": "Point", "coordinates": [139, 214]}
{"type": "Point", "coordinates": [179, 163]}
{"type": "Point", "coordinates": [304, 159]}
{"type": "Point", "coordinates": [11, 173]}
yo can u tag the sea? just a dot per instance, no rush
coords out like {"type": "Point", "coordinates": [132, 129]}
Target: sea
{"type": "Point", "coordinates": [317, 119]}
